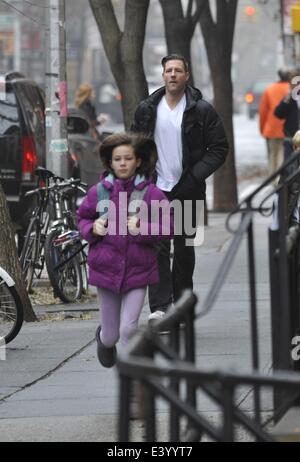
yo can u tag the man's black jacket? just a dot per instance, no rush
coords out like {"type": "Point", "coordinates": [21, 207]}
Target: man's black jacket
{"type": "Point", "coordinates": [204, 142]}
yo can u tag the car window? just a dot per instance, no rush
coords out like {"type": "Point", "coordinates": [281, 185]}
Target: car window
{"type": "Point", "coordinates": [34, 107]}
{"type": "Point", "coordinates": [9, 117]}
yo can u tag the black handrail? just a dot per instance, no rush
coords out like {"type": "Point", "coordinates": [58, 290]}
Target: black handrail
{"type": "Point", "coordinates": [247, 201]}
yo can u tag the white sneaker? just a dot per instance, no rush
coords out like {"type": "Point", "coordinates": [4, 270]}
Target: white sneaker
{"type": "Point", "coordinates": [156, 315]}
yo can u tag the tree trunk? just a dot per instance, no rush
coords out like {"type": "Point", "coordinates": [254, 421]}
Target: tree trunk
{"type": "Point", "coordinates": [218, 38]}
{"type": "Point", "coordinates": [124, 50]}
{"type": "Point", "coordinates": [225, 190]}
{"type": "Point", "coordinates": [9, 257]}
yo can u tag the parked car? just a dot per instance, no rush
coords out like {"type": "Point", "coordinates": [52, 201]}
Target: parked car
{"type": "Point", "coordinates": [22, 143]}
{"type": "Point", "coordinates": [253, 96]}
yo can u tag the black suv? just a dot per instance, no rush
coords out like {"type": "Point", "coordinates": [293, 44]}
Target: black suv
{"type": "Point", "coordinates": [22, 142]}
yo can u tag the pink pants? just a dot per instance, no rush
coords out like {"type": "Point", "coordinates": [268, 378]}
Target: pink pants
{"type": "Point", "coordinates": [119, 314]}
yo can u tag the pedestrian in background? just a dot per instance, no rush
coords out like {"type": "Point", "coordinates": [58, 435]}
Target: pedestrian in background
{"type": "Point", "coordinates": [293, 193]}
{"type": "Point", "coordinates": [191, 144]}
{"type": "Point", "coordinates": [289, 111]}
{"type": "Point", "coordinates": [84, 97]}
{"type": "Point", "coordinates": [294, 189]}
{"type": "Point", "coordinates": [271, 127]}
{"type": "Point", "coordinates": [121, 266]}
{"type": "Point", "coordinates": [83, 101]}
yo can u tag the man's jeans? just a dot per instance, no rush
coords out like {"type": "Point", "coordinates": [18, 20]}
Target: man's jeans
{"type": "Point", "coordinates": [172, 281]}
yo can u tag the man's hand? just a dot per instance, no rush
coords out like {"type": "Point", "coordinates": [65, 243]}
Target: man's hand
{"type": "Point", "coordinates": [133, 225]}
{"type": "Point", "coordinates": [99, 227]}
{"type": "Point", "coordinates": [288, 97]}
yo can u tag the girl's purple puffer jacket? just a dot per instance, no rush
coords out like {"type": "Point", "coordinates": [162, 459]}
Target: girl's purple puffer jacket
{"type": "Point", "coordinates": [122, 262]}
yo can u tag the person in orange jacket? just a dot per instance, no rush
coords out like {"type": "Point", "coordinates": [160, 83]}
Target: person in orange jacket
{"type": "Point", "coordinates": [270, 126]}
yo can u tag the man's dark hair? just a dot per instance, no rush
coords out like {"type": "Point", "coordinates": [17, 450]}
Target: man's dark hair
{"type": "Point", "coordinates": [173, 56]}
{"type": "Point", "coordinates": [284, 75]}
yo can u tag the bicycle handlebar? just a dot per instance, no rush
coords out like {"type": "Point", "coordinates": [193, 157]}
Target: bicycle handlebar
{"type": "Point", "coordinates": [60, 186]}
{"type": "Point", "coordinates": [72, 182]}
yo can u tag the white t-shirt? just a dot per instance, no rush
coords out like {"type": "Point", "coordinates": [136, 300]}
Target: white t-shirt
{"type": "Point", "coordinates": [168, 140]}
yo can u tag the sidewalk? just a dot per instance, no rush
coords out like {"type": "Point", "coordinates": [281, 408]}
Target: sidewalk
{"type": "Point", "coordinates": [52, 387]}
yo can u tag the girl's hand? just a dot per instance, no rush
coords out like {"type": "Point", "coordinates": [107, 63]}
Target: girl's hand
{"type": "Point", "coordinates": [99, 227]}
{"type": "Point", "coordinates": [133, 225]}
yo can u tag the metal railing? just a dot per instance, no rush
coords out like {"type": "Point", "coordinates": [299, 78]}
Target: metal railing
{"type": "Point", "coordinates": [167, 369]}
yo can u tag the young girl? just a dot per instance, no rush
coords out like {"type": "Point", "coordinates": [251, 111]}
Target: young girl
{"type": "Point", "coordinates": [122, 264]}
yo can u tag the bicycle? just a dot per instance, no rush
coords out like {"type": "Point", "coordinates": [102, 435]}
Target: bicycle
{"type": "Point", "coordinates": [32, 257]}
{"type": "Point", "coordinates": [52, 200]}
{"type": "Point", "coordinates": [11, 308]}
{"type": "Point", "coordinates": [64, 251]}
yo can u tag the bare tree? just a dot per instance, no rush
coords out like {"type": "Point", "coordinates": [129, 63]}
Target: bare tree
{"type": "Point", "coordinates": [124, 50]}
{"type": "Point", "coordinates": [218, 37]}
{"type": "Point", "coordinates": [180, 28]}
{"type": "Point", "coordinates": [9, 256]}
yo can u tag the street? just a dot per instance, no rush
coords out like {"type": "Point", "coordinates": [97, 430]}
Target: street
{"type": "Point", "coordinates": [52, 387]}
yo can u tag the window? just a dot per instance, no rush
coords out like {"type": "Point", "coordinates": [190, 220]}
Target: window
{"type": "Point", "coordinates": [9, 117]}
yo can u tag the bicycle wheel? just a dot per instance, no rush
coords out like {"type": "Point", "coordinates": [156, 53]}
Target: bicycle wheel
{"type": "Point", "coordinates": [11, 312]}
{"type": "Point", "coordinates": [83, 267]}
{"type": "Point", "coordinates": [85, 284]}
{"type": "Point", "coordinates": [66, 279]}
{"type": "Point", "coordinates": [30, 251]}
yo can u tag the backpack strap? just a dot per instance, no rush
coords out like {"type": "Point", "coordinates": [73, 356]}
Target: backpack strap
{"type": "Point", "coordinates": [103, 195]}
{"type": "Point", "coordinates": [136, 195]}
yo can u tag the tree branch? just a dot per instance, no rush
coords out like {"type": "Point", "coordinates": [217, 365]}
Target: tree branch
{"type": "Point", "coordinates": [226, 15]}
{"type": "Point", "coordinates": [135, 19]}
{"type": "Point", "coordinates": [104, 12]}
{"type": "Point", "coordinates": [199, 10]}
{"type": "Point", "coordinates": [108, 26]}
{"type": "Point", "coordinates": [232, 8]}
{"type": "Point", "coordinates": [189, 9]}
{"type": "Point", "coordinates": [206, 16]}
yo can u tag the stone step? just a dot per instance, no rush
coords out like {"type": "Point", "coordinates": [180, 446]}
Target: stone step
{"type": "Point", "coordinates": [288, 428]}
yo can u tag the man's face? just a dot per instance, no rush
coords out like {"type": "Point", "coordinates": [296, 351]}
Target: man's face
{"type": "Point", "coordinates": [175, 76]}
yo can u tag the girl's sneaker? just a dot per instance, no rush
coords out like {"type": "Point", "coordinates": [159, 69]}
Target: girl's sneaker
{"type": "Point", "coordinates": [106, 356]}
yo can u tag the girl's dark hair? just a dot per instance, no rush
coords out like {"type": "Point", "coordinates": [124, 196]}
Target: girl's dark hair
{"type": "Point", "coordinates": [143, 146]}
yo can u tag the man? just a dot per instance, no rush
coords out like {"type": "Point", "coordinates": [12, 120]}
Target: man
{"type": "Point", "coordinates": [191, 144]}
{"type": "Point", "coordinates": [271, 127]}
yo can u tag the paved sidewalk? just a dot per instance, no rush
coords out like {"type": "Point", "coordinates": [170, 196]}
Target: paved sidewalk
{"type": "Point", "coordinates": [53, 389]}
